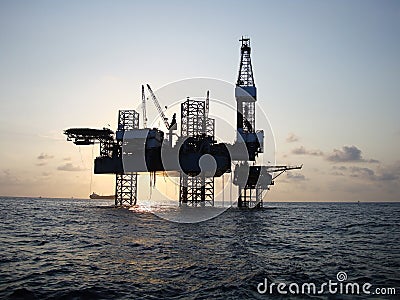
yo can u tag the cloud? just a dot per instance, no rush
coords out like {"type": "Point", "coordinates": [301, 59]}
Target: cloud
{"type": "Point", "coordinates": [338, 171]}
{"type": "Point", "coordinates": [303, 151]}
{"type": "Point", "coordinates": [45, 156]}
{"type": "Point", "coordinates": [348, 154]}
{"type": "Point", "coordinates": [373, 161]}
{"type": "Point", "coordinates": [384, 174]}
{"type": "Point", "coordinates": [341, 168]}
{"type": "Point", "coordinates": [390, 173]}
{"type": "Point", "coordinates": [363, 173]}
{"type": "Point", "coordinates": [70, 167]}
{"type": "Point", "coordinates": [67, 158]}
{"type": "Point", "coordinates": [55, 135]}
{"type": "Point", "coordinates": [7, 178]}
{"type": "Point", "coordinates": [292, 138]}
{"type": "Point", "coordinates": [389, 176]}
{"type": "Point", "coordinates": [295, 176]}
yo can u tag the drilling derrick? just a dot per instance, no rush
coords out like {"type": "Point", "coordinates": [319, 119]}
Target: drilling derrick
{"type": "Point", "coordinates": [246, 96]}
{"type": "Point", "coordinates": [252, 180]}
{"type": "Point", "coordinates": [250, 191]}
{"type": "Point", "coordinates": [246, 91]}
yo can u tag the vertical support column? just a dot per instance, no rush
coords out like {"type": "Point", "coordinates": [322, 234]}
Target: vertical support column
{"type": "Point", "coordinates": [126, 189]}
{"type": "Point", "coordinates": [259, 199]}
{"type": "Point", "coordinates": [209, 191]}
{"type": "Point", "coordinates": [250, 197]}
{"type": "Point", "coordinates": [196, 190]}
{"type": "Point", "coordinates": [125, 183]}
{"type": "Point", "coordinates": [183, 189]}
{"type": "Point", "coordinates": [202, 190]}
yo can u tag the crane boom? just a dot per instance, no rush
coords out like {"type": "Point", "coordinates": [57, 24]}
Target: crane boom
{"type": "Point", "coordinates": [160, 111]}
{"type": "Point", "coordinates": [144, 108]}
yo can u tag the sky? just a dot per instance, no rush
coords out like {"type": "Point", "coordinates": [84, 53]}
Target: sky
{"type": "Point", "coordinates": [327, 74]}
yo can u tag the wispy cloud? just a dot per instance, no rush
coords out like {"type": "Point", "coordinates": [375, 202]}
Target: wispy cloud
{"type": "Point", "coordinates": [292, 176]}
{"type": "Point", "coordinates": [345, 154]}
{"type": "Point", "coordinates": [303, 151]}
{"type": "Point", "coordinates": [385, 174]}
{"type": "Point", "coordinates": [390, 173]}
{"type": "Point", "coordinates": [7, 178]}
{"type": "Point", "coordinates": [45, 156]}
{"type": "Point", "coordinates": [363, 172]}
{"type": "Point", "coordinates": [381, 174]}
{"type": "Point", "coordinates": [338, 170]}
{"type": "Point", "coordinates": [70, 167]}
{"type": "Point", "coordinates": [337, 173]}
{"type": "Point", "coordinates": [341, 168]}
{"type": "Point", "coordinates": [292, 138]}
{"type": "Point", "coordinates": [348, 154]}
{"type": "Point", "coordinates": [53, 135]}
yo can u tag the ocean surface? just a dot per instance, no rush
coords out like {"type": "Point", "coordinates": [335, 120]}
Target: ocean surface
{"type": "Point", "coordinates": [87, 249]}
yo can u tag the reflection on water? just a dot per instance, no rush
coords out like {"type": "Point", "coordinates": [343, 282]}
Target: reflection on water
{"type": "Point", "coordinates": [63, 248]}
{"type": "Point", "coordinates": [180, 214]}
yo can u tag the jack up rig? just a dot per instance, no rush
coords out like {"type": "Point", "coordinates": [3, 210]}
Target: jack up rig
{"type": "Point", "coordinates": [132, 150]}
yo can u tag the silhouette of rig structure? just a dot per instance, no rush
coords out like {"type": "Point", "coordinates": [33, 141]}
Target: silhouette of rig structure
{"type": "Point", "coordinates": [196, 155]}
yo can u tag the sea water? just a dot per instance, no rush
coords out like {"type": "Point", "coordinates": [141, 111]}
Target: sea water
{"type": "Point", "coordinates": [88, 249]}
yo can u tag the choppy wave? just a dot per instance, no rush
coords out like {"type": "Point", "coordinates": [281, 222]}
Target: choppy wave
{"type": "Point", "coordinates": [85, 249]}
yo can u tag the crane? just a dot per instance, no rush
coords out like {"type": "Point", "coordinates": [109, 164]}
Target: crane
{"type": "Point", "coordinates": [160, 111]}
{"type": "Point", "coordinates": [144, 108]}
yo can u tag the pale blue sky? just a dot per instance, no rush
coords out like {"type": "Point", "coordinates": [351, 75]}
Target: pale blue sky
{"type": "Point", "coordinates": [326, 71]}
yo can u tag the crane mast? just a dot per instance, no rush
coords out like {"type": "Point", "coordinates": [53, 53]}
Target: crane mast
{"type": "Point", "coordinates": [157, 104]}
{"type": "Point", "coordinates": [144, 108]}
{"type": "Point", "coordinates": [207, 109]}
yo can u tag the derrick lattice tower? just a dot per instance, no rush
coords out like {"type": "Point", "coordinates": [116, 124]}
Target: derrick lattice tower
{"type": "Point", "coordinates": [246, 91]}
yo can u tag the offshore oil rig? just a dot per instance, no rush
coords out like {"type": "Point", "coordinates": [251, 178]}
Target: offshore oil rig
{"type": "Point", "coordinates": [196, 157]}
